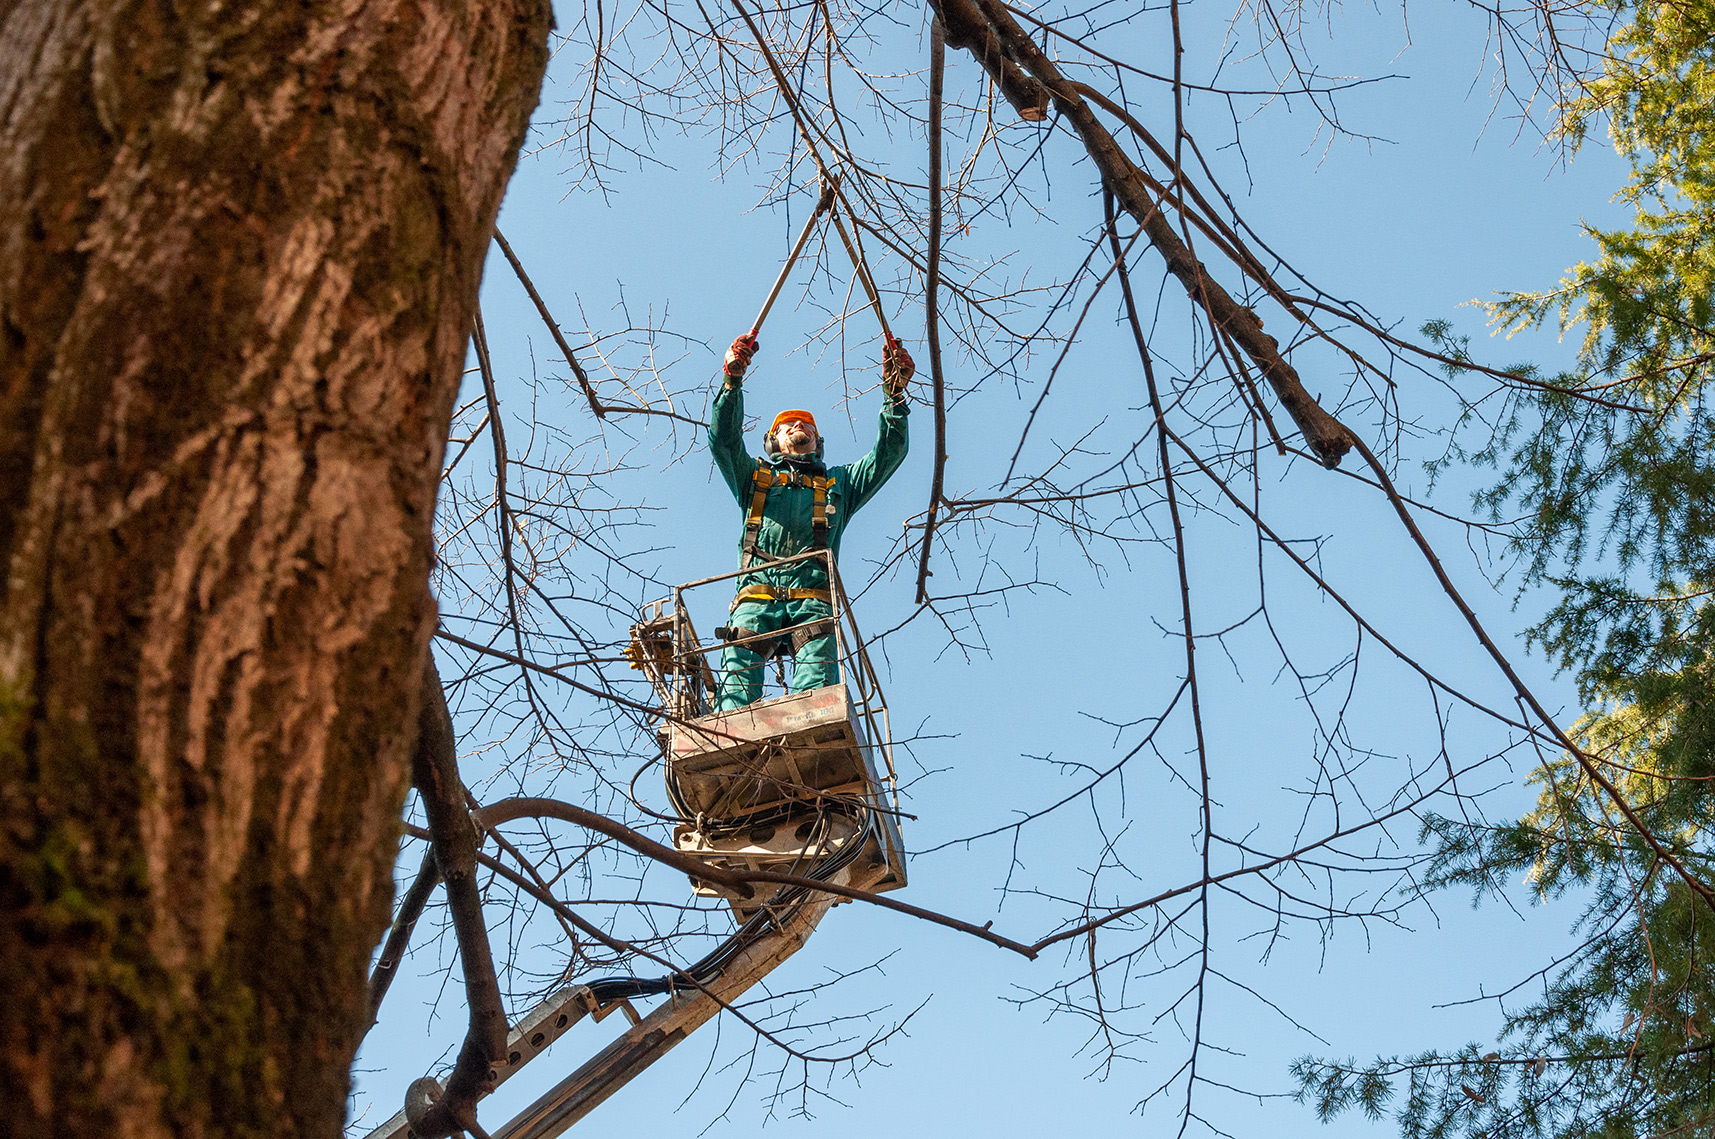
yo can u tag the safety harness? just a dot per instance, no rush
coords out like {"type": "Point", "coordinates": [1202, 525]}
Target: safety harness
{"type": "Point", "coordinates": [765, 478]}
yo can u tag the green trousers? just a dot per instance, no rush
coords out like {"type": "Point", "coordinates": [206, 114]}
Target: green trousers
{"type": "Point", "coordinates": [814, 666]}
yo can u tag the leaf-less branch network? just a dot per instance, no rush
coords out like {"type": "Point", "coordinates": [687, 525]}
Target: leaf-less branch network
{"type": "Point", "coordinates": [545, 553]}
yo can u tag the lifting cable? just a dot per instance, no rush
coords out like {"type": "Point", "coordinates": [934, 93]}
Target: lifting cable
{"type": "Point", "coordinates": [831, 193]}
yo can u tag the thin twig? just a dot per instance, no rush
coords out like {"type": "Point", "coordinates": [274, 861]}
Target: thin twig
{"type": "Point", "coordinates": [553, 327]}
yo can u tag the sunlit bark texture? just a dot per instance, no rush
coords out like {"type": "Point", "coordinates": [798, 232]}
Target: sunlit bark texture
{"type": "Point", "coordinates": [239, 250]}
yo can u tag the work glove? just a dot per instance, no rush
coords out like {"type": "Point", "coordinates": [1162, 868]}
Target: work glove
{"type": "Point", "coordinates": [738, 356]}
{"type": "Point", "coordinates": [896, 369]}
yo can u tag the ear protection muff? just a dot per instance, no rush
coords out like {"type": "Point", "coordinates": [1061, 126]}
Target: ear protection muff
{"type": "Point", "coordinates": [772, 448]}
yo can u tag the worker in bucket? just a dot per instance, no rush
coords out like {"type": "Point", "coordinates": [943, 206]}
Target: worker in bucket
{"type": "Point", "coordinates": [793, 502]}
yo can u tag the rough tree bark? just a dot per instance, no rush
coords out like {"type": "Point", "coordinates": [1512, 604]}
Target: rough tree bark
{"type": "Point", "coordinates": [239, 252]}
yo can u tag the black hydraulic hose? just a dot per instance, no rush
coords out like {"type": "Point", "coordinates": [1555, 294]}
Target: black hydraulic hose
{"type": "Point", "coordinates": [631, 794]}
{"type": "Point", "coordinates": [677, 798]}
{"type": "Point", "coordinates": [710, 966]}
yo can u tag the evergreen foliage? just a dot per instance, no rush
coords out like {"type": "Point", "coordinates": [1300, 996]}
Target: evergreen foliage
{"type": "Point", "coordinates": [1613, 469]}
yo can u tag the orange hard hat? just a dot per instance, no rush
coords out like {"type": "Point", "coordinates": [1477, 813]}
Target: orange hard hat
{"type": "Point", "coordinates": [792, 416]}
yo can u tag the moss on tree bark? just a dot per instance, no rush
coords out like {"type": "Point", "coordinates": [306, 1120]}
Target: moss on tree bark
{"type": "Point", "coordinates": [239, 253]}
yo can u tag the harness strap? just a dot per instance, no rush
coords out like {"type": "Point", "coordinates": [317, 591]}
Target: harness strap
{"type": "Point", "coordinates": [819, 514]}
{"type": "Point", "coordinates": [793, 642]}
{"type": "Point", "coordinates": [770, 593]}
{"type": "Point", "coordinates": [805, 634]}
{"type": "Point", "coordinates": [764, 478]}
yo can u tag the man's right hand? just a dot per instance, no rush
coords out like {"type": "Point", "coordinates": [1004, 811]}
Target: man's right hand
{"type": "Point", "coordinates": [738, 356]}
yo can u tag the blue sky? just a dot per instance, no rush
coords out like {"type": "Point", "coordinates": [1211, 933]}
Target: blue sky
{"type": "Point", "coordinates": [1455, 203]}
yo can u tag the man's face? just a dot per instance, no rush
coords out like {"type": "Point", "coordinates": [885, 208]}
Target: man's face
{"type": "Point", "coordinates": [795, 437]}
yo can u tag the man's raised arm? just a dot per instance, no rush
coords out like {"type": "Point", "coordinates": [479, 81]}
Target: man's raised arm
{"type": "Point", "coordinates": [893, 438]}
{"type": "Point", "coordinates": [726, 419]}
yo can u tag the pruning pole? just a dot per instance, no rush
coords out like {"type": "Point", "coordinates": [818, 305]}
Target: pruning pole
{"type": "Point", "coordinates": [864, 278]}
{"type": "Point", "coordinates": [852, 250]}
{"type": "Point", "coordinates": [823, 205]}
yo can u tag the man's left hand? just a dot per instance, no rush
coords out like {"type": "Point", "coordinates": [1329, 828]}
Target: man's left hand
{"type": "Point", "coordinates": [896, 369]}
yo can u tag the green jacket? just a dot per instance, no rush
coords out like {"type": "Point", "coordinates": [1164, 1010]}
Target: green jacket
{"type": "Point", "coordinates": [786, 519]}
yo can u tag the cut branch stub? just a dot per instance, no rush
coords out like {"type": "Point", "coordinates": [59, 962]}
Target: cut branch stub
{"type": "Point", "coordinates": [1019, 67]}
{"type": "Point", "coordinates": [965, 28]}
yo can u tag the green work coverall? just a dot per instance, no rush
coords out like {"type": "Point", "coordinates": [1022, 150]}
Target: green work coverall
{"type": "Point", "coordinates": [786, 530]}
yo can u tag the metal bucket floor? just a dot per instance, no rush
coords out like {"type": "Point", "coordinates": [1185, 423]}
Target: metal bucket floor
{"type": "Point", "coordinates": [792, 747]}
{"type": "Point", "coordinates": [773, 756]}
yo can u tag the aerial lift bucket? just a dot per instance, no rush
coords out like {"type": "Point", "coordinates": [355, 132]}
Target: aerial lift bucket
{"type": "Point", "coordinates": [783, 783]}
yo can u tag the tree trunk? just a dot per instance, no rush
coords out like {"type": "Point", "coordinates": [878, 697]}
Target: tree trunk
{"type": "Point", "coordinates": [239, 254]}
